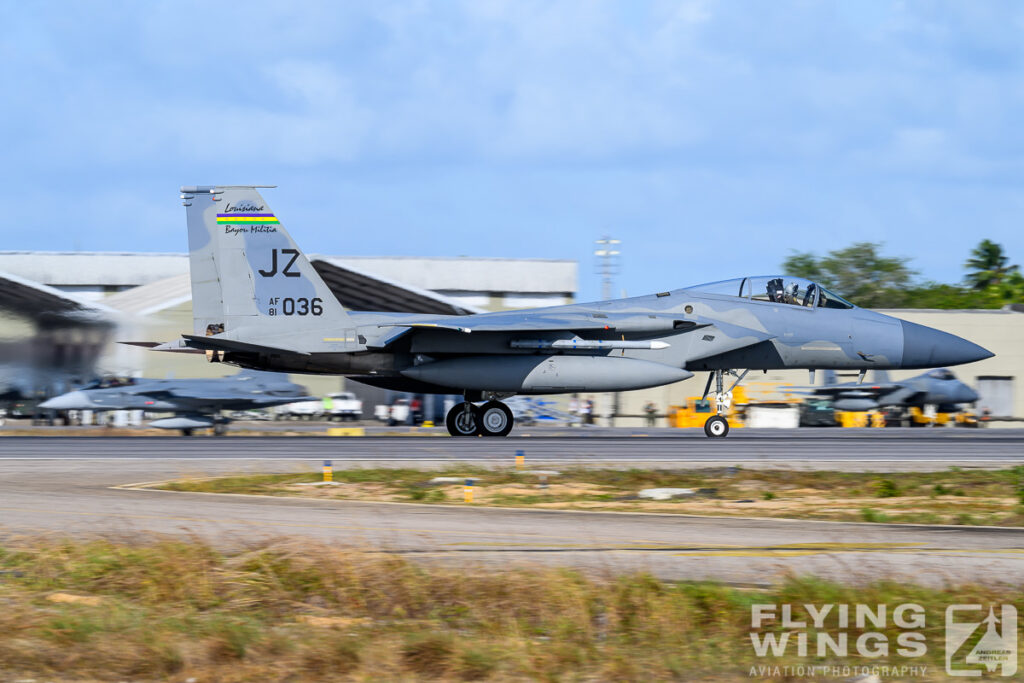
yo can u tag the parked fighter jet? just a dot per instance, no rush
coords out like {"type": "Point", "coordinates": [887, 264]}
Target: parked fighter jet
{"type": "Point", "coordinates": [936, 387]}
{"type": "Point", "coordinates": [197, 403]}
{"type": "Point", "coordinates": [258, 303]}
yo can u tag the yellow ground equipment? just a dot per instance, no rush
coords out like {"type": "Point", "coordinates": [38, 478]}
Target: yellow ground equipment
{"type": "Point", "coordinates": [860, 419]}
{"type": "Point", "coordinates": [696, 411]}
{"type": "Point", "coordinates": [919, 418]}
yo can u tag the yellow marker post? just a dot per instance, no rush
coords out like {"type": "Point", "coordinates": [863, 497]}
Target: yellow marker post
{"type": "Point", "coordinates": [467, 495]}
{"type": "Point", "coordinates": [346, 431]}
{"type": "Point", "coordinates": [328, 471]}
{"type": "Point", "coordinates": [520, 460]}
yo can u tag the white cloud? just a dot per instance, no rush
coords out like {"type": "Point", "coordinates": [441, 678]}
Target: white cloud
{"type": "Point", "coordinates": [827, 121]}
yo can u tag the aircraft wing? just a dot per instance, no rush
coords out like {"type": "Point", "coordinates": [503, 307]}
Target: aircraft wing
{"type": "Point", "coordinates": [852, 389]}
{"type": "Point", "coordinates": [197, 398]}
{"type": "Point", "coordinates": [254, 399]}
{"type": "Point", "coordinates": [902, 395]}
{"type": "Point", "coordinates": [549, 322]}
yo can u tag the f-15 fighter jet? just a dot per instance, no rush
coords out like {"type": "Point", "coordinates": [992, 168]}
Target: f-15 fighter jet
{"type": "Point", "coordinates": [197, 403]}
{"type": "Point", "coordinates": [258, 303]}
{"type": "Point", "coordinates": [938, 387]}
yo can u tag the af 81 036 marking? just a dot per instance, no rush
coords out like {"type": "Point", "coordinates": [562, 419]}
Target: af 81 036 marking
{"type": "Point", "coordinates": [300, 306]}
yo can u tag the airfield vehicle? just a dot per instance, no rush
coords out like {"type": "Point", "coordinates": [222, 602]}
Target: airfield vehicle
{"type": "Point", "coordinates": [300, 410]}
{"type": "Point", "coordinates": [343, 405]}
{"type": "Point", "coordinates": [696, 410]}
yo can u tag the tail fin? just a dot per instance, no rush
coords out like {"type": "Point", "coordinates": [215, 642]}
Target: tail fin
{"type": "Point", "coordinates": [830, 378]}
{"type": "Point", "coordinates": [246, 268]}
{"type": "Point", "coordinates": [881, 376]}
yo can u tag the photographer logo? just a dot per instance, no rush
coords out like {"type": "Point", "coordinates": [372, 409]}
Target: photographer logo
{"type": "Point", "coordinates": [976, 643]}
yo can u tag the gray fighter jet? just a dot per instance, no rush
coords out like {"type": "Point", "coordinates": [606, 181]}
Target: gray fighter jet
{"type": "Point", "coordinates": [258, 303]}
{"type": "Point", "coordinates": [938, 387]}
{"type": "Point", "coordinates": [196, 403]}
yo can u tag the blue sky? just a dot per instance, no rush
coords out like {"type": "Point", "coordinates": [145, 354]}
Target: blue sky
{"type": "Point", "coordinates": [711, 137]}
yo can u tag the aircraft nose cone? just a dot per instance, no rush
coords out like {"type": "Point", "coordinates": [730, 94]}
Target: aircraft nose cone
{"type": "Point", "coordinates": [966, 395]}
{"type": "Point", "coordinates": [926, 347]}
{"type": "Point", "coordinates": [73, 400]}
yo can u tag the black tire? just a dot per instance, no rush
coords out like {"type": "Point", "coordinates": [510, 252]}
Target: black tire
{"type": "Point", "coordinates": [716, 427]}
{"type": "Point", "coordinates": [495, 419]}
{"type": "Point", "coordinates": [459, 424]}
{"type": "Point", "coordinates": [186, 432]}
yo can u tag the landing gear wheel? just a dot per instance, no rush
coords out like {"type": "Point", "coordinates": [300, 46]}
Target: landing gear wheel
{"type": "Point", "coordinates": [220, 429]}
{"type": "Point", "coordinates": [717, 427]}
{"type": "Point", "coordinates": [495, 419]}
{"type": "Point", "coordinates": [463, 420]}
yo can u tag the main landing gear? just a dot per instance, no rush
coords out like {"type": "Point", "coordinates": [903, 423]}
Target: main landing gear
{"type": "Point", "coordinates": [717, 426]}
{"type": "Point", "coordinates": [493, 418]}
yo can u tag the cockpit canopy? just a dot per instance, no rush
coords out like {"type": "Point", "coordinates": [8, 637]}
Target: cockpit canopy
{"type": "Point", "coordinates": [779, 289]}
{"type": "Point", "coordinates": [942, 373]}
{"type": "Point", "coordinates": [110, 382]}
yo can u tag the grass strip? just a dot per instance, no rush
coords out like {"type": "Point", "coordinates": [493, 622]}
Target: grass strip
{"type": "Point", "coordinates": [954, 496]}
{"type": "Point", "coordinates": [166, 609]}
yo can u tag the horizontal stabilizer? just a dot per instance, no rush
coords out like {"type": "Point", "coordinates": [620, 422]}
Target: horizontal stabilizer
{"type": "Point", "coordinates": [176, 346]}
{"type": "Point", "coordinates": [220, 344]}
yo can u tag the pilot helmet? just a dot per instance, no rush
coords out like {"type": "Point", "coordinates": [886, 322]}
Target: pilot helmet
{"type": "Point", "coordinates": [791, 289]}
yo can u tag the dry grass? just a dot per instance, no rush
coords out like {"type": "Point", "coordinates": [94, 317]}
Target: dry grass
{"type": "Point", "coordinates": [174, 610]}
{"type": "Point", "coordinates": [990, 497]}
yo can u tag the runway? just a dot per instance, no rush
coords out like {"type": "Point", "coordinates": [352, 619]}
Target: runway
{"type": "Point", "coordinates": [840, 449]}
{"type": "Point", "coordinates": [65, 485]}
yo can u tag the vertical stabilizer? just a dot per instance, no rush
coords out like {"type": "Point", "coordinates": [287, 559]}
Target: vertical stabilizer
{"type": "Point", "coordinates": [881, 376]}
{"type": "Point", "coordinates": [830, 378]}
{"type": "Point", "coordinates": [246, 269]}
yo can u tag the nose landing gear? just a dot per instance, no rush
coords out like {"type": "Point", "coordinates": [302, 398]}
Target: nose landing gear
{"type": "Point", "coordinates": [717, 426]}
{"type": "Point", "coordinates": [493, 418]}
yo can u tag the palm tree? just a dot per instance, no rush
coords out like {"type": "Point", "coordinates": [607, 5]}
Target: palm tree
{"type": "Point", "coordinates": [988, 265]}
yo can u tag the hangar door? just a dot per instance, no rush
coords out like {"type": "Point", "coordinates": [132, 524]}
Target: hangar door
{"type": "Point", "coordinates": [996, 395]}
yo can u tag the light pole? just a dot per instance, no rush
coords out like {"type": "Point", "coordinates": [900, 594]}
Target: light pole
{"type": "Point", "coordinates": [607, 254]}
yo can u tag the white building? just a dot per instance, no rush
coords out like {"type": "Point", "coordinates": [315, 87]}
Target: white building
{"type": "Point", "coordinates": [480, 283]}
